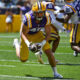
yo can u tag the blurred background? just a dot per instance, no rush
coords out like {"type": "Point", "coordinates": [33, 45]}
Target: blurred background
{"type": "Point", "coordinates": [12, 12]}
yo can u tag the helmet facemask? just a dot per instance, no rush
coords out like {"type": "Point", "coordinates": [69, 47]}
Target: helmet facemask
{"type": "Point", "coordinates": [39, 15]}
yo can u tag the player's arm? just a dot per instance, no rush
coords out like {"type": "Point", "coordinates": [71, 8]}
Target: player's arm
{"type": "Point", "coordinates": [47, 31]}
{"type": "Point", "coordinates": [24, 30]}
{"type": "Point", "coordinates": [68, 11]}
{"type": "Point", "coordinates": [48, 27]}
{"type": "Point", "coordinates": [65, 19]}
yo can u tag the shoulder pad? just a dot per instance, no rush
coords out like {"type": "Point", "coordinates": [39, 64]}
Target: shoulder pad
{"type": "Point", "coordinates": [50, 6]}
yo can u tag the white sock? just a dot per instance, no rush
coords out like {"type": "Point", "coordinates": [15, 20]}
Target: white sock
{"type": "Point", "coordinates": [54, 70]}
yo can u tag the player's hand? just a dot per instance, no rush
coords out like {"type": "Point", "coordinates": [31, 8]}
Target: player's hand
{"type": "Point", "coordinates": [42, 44]}
{"type": "Point", "coordinates": [34, 47]}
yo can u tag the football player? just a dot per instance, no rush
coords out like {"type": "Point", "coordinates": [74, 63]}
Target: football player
{"type": "Point", "coordinates": [33, 21]}
{"type": "Point", "coordinates": [55, 26]}
{"type": "Point", "coordinates": [71, 11]}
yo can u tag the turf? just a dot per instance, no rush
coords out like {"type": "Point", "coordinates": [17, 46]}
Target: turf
{"type": "Point", "coordinates": [12, 69]}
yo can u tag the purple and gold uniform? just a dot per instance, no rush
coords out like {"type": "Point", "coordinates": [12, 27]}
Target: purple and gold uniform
{"type": "Point", "coordinates": [50, 8]}
{"type": "Point", "coordinates": [74, 36]}
{"type": "Point", "coordinates": [34, 35]}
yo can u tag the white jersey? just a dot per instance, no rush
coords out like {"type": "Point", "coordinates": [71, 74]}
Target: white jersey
{"type": "Point", "coordinates": [70, 8]}
{"type": "Point", "coordinates": [50, 8]}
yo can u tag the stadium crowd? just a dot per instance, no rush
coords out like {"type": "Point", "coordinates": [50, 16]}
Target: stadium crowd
{"type": "Point", "coordinates": [11, 3]}
{"type": "Point", "coordinates": [15, 5]}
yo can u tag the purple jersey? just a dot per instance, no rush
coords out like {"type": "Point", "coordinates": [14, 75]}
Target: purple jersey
{"type": "Point", "coordinates": [30, 22]}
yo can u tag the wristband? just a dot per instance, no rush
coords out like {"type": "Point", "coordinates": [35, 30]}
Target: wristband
{"type": "Point", "coordinates": [27, 42]}
{"type": "Point", "coordinates": [43, 42]}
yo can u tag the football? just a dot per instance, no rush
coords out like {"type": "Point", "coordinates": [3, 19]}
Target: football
{"type": "Point", "coordinates": [35, 47]}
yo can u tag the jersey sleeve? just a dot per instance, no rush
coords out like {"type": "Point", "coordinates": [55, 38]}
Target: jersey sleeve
{"type": "Point", "coordinates": [25, 20]}
{"type": "Point", "coordinates": [48, 19]}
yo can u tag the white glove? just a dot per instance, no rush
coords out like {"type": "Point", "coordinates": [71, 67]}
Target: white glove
{"type": "Point", "coordinates": [42, 43]}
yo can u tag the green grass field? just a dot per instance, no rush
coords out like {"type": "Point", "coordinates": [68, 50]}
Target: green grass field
{"type": "Point", "coordinates": [12, 69]}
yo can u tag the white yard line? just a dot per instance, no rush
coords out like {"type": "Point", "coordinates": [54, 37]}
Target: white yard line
{"type": "Point", "coordinates": [20, 77]}
{"type": "Point", "coordinates": [35, 65]}
{"type": "Point", "coordinates": [7, 66]}
{"type": "Point", "coordinates": [9, 36]}
{"type": "Point", "coordinates": [64, 53]}
{"type": "Point", "coordinates": [3, 42]}
{"type": "Point", "coordinates": [4, 60]}
{"type": "Point", "coordinates": [14, 51]}
{"type": "Point", "coordinates": [7, 50]}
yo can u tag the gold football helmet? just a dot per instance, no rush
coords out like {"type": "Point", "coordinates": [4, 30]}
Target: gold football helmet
{"type": "Point", "coordinates": [39, 10]}
{"type": "Point", "coordinates": [38, 6]}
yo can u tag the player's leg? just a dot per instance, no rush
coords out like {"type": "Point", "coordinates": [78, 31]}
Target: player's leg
{"type": "Point", "coordinates": [17, 47]}
{"type": "Point", "coordinates": [22, 51]}
{"type": "Point", "coordinates": [39, 57]}
{"type": "Point", "coordinates": [51, 60]}
{"type": "Point", "coordinates": [55, 38]}
{"type": "Point", "coordinates": [74, 38]}
{"type": "Point", "coordinates": [55, 44]}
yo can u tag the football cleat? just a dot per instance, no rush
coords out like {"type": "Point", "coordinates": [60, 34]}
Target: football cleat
{"type": "Point", "coordinates": [15, 42]}
{"type": "Point", "coordinates": [75, 53]}
{"type": "Point", "coordinates": [58, 76]}
{"type": "Point", "coordinates": [38, 55]}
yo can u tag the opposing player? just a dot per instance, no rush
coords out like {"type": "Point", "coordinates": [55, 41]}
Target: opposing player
{"type": "Point", "coordinates": [72, 13]}
{"type": "Point", "coordinates": [34, 20]}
